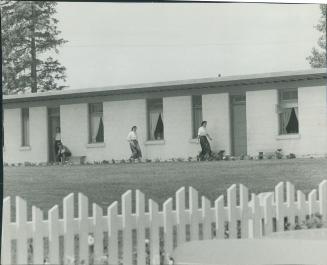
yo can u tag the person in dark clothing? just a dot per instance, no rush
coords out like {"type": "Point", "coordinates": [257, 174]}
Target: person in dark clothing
{"type": "Point", "coordinates": [134, 144]}
{"type": "Point", "coordinates": [63, 153]}
{"type": "Point", "coordinates": [203, 136]}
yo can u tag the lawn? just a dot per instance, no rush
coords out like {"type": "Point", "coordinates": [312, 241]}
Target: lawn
{"type": "Point", "coordinates": [103, 184]}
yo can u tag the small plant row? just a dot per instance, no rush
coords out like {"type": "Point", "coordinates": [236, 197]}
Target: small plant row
{"type": "Point", "coordinates": [216, 156]}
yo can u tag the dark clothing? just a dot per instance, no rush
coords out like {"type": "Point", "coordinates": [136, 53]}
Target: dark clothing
{"type": "Point", "coordinates": [136, 150]}
{"type": "Point", "coordinates": [63, 153]}
{"type": "Point", "coordinates": [205, 154]}
{"type": "Point", "coordinates": [56, 146]}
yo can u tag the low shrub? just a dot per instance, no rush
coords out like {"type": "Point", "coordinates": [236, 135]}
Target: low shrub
{"type": "Point", "coordinates": [105, 162]}
{"type": "Point", "coordinates": [279, 153]}
{"type": "Point", "coordinates": [260, 156]}
{"type": "Point", "coordinates": [270, 155]}
{"type": "Point", "coordinates": [291, 156]}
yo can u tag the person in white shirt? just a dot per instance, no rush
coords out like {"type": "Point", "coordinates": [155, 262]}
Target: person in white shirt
{"type": "Point", "coordinates": [134, 144]}
{"type": "Point", "coordinates": [203, 136]}
{"type": "Point", "coordinates": [57, 140]}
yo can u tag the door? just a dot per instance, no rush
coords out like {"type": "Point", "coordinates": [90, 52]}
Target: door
{"type": "Point", "coordinates": [239, 139]}
{"type": "Point", "coordinates": [53, 124]}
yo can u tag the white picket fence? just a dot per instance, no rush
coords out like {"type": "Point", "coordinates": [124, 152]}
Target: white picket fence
{"type": "Point", "coordinates": [148, 237]}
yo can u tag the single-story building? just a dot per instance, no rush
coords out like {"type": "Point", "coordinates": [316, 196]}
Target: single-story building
{"type": "Point", "coordinates": [246, 115]}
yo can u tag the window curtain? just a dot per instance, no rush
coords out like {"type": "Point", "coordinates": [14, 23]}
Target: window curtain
{"type": "Point", "coordinates": [158, 132]}
{"type": "Point", "coordinates": [197, 119]}
{"type": "Point", "coordinates": [153, 120]}
{"type": "Point", "coordinates": [99, 138]}
{"type": "Point", "coordinates": [95, 125]}
{"type": "Point", "coordinates": [284, 120]}
{"type": "Point", "coordinates": [293, 123]}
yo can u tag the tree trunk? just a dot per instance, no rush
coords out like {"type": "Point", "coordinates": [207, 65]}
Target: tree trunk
{"type": "Point", "coordinates": [33, 54]}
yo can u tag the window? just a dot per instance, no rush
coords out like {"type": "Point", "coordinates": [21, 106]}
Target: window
{"type": "Point", "coordinates": [25, 119]}
{"type": "Point", "coordinates": [155, 119]}
{"type": "Point", "coordinates": [196, 114]}
{"type": "Point", "coordinates": [96, 130]}
{"type": "Point", "coordinates": [288, 112]}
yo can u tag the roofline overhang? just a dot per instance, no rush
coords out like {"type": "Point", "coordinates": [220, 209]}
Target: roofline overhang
{"type": "Point", "coordinates": [220, 83]}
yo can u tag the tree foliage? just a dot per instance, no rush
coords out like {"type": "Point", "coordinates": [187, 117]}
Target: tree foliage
{"type": "Point", "coordinates": [29, 34]}
{"type": "Point", "coordinates": [318, 55]}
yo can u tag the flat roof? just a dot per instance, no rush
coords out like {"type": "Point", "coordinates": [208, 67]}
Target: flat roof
{"type": "Point", "coordinates": [225, 81]}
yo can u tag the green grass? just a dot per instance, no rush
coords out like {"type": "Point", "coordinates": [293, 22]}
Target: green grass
{"type": "Point", "coordinates": [103, 184]}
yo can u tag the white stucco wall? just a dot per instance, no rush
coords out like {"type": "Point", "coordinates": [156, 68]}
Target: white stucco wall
{"type": "Point", "coordinates": [262, 120]}
{"type": "Point", "coordinates": [262, 123]}
{"type": "Point", "coordinates": [177, 118]}
{"type": "Point", "coordinates": [216, 111]}
{"type": "Point", "coordinates": [38, 149]}
{"type": "Point", "coordinates": [313, 120]}
{"type": "Point", "coordinates": [178, 127]}
{"type": "Point", "coordinates": [119, 117]}
{"type": "Point", "coordinates": [74, 127]}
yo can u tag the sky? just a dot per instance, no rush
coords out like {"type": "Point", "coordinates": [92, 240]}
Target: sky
{"type": "Point", "coordinates": [130, 43]}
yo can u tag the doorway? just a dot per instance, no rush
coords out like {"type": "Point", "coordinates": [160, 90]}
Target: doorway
{"type": "Point", "coordinates": [239, 138]}
{"type": "Point", "coordinates": [53, 124]}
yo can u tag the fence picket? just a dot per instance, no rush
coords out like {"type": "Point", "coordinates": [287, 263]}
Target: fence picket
{"type": "Point", "coordinates": [21, 222]}
{"type": "Point", "coordinates": [83, 213]}
{"type": "Point", "coordinates": [68, 214]}
{"type": "Point", "coordinates": [264, 206]}
{"type": "Point", "coordinates": [194, 206]}
{"type": "Point", "coordinates": [312, 200]}
{"type": "Point", "coordinates": [256, 216]}
{"type": "Point", "coordinates": [290, 195]}
{"type": "Point", "coordinates": [323, 199]}
{"type": "Point", "coordinates": [6, 235]}
{"type": "Point", "coordinates": [168, 226]}
{"type": "Point", "coordinates": [206, 218]}
{"type": "Point", "coordinates": [267, 200]}
{"type": "Point", "coordinates": [219, 217]}
{"type": "Point", "coordinates": [279, 201]}
{"type": "Point", "coordinates": [231, 206]}
{"type": "Point", "coordinates": [113, 233]}
{"type": "Point", "coordinates": [244, 206]}
{"type": "Point", "coordinates": [301, 206]}
{"type": "Point", "coordinates": [54, 235]}
{"type": "Point", "coordinates": [180, 214]}
{"type": "Point", "coordinates": [140, 208]}
{"type": "Point", "coordinates": [127, 231]}
{"type": "Point", "coordinates": [154, 233]}
{"type": "Point", "coordinates": [37, 217]}
{"type": "Point", "coordinates": [98, 232]}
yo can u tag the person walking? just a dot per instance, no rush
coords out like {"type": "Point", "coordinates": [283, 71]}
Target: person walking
{"type": "Point", "coordinates": [203, 136]}
{"type": "Point", "coordinates": [134, 144]}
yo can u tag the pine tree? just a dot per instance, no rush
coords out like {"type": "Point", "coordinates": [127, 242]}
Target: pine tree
{"type": "Point", "coordinates": [318, 56]}
{"type": "Point", "coordinates": [29, 34]}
